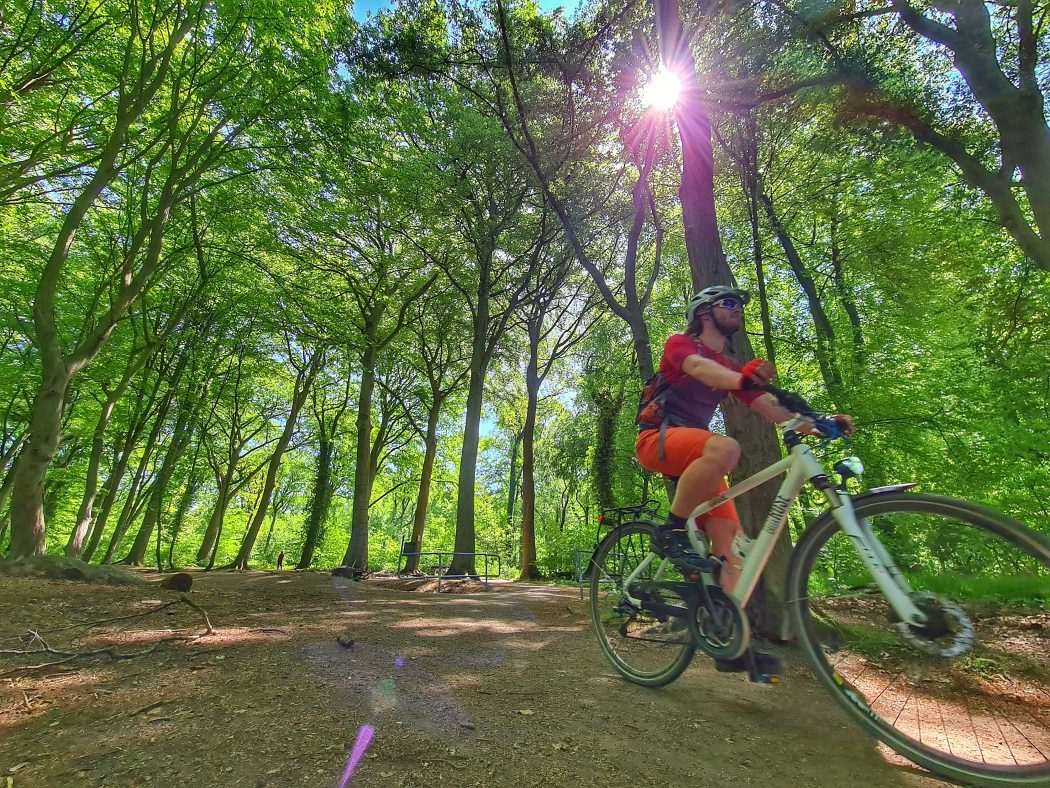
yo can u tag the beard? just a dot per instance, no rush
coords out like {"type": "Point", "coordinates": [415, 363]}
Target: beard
{"type": "Point", "coordinates": [726, 326]}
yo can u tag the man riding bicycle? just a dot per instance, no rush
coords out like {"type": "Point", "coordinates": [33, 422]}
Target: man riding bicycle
{"type": "Point", "coordinates": [698, 377]}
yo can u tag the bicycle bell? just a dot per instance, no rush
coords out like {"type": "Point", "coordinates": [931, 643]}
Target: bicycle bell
{"type": "Point", "coordinates": [848, 468]}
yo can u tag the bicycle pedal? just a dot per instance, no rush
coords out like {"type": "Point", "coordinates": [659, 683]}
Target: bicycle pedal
{"type": "Point", "coordinates": [764, 678]}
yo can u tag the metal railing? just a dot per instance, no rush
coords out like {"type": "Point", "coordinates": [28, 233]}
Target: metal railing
{"type": "Point", "coordinates": [609, 519]}
{"type": "Point", "coordinates": [442, 560]}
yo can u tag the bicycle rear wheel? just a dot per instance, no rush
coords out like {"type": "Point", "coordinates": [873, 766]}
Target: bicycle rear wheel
{"type": "Point", "coordinates": [645, 648]}
{"type": "Point", "coordinates": [968, 695]}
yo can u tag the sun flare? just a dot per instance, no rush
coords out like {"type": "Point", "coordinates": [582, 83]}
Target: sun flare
{"type": "Point", "coordinates": [662, 90]}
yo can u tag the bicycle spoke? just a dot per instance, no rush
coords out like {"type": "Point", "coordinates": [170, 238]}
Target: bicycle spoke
{"type": "Point", "coordinates": [984, 711]}
{"type": "Point", "coordinates": [643, 647]}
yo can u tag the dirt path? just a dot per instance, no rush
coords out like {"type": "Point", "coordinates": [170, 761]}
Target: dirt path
{"type": "Point", "coordinates": [505, 688]}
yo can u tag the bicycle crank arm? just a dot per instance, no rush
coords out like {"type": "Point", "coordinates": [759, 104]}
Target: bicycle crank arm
{"type": "Point", "coordinates": [659, 609]}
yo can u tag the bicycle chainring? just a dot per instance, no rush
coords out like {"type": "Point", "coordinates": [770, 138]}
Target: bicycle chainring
{"type": "Point", "coordinates": [723, 631]}
{"type": "Point", "coordinates": [947, 632]}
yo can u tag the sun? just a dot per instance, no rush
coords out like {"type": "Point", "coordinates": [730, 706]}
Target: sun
{"type": "Point", "coordinates": [662, 90]}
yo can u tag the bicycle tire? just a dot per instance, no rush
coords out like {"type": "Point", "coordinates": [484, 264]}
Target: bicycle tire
{"type": "Point", "coordinates": [615, 557]}
{"type": "Point", "coordinates": [861, 695]}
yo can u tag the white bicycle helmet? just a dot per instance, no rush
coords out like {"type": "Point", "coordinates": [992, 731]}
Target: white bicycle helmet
{"type": "Point", "coordinates": [710, 295]}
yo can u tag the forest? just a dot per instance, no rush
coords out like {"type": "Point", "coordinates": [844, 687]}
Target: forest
{"type": "Point", "coordinates": [282, 278]}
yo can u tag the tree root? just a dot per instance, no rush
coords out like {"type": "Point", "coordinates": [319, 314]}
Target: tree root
{"type": "Point", "coordinates": [43, 647]}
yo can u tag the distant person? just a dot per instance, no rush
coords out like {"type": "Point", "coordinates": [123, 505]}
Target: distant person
{"type": "Point", "coordinates": [280, 561]}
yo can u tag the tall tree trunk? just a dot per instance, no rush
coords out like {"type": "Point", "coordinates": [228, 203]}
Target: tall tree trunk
{"type": "Point", "coordinates": [512, 480]}
{"type": "Point", "coordinates": [109, 499]}
{"type": "Point", "coordinates": [274, 512]}
{"type": "Point", "coordinates": [223, 496]}
{"type": "Point", "coordinates": [133, 504]}
{"type": "Point", "coordinates": [707, 265]}
{"type": "Point", "coordinates": [529, 570]}
{"type": "Point", "coordinates": [825, 334]}
{"type": "Point", "coordinates": [135, 363]}
{"type": "Point", "coordinates": [121, 458]}
{"type": "Point", "coordinates": [465, 542]}
{"type": "Point", "coordinates": [849, 303]}
{"type": "Point", "coordinates": [179, 441]}
{"type": "Point", "coordinates": [180, 515]}
{"type": "Point", "coordinates": [356, 556]}
{"type": "Point", "coordinates": [304, 381]}
{"type": "Point", "coordinates": [28, 531]}
{"type": "Point", "coordinates": [605, 447]}
{"type": "Point", "coordinates": [749, 167]}
{"type": "Point", "coordinates": [87, 502]}
{"type": "Point", "coordinates": [426, 476]}
{"type": "Point", "coordinates": [5, 492]}
{"type": "Point", "coordinates": [320, 501]}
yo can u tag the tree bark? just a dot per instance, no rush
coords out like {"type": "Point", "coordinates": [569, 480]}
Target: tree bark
{"type": "Point", "coordinates": [180, 439]}
{"type": "Point", "coordinates": [28, 536]}
{"type": "Point", "coordinates": [180, 515]}
{"type": "Point", "coordinates": [750, 177]}
{"type": "Point", "coordinates": [609, 407]}
{"type": "Point", "coordinates": [419, 518]}
{"type": "Point", "coordinates": [822, 329]}
{"type": "Point", "coordinates": [85, 513]}
{"type": "Point", "coordinates": [223, 496]}
{"type": "Point", "coordinates": [121, 459]}
{"type": "Point", "coordinates": [304, 381]}
{"type": "Point", "coordinates": [356, 556]}
{"type": "Point", "coordinates": [133, 503]}
{"type": "Point", "coordinates": [849, 302]}
{"type": "Point", "coordinates": [529, 569]}
{"type": "Point", "coordinates": [468, 464]}
{"type": "Point", "coordinates": [708, 266]}
{"type": "Point", "coordinates": [320, 501]}
{"type": "Point", "coordinates": [28, 531]}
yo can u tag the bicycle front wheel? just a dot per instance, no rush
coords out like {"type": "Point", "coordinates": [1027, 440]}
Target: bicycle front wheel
{"type": "Point", "coordinates": [968, 694]}
{"type": "Point", "coordinates": [645, 648]}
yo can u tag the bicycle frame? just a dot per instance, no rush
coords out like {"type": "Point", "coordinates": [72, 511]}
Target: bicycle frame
{"type": "Point", "coordinates": [800, 467]}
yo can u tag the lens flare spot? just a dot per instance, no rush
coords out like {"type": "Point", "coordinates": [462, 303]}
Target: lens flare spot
{"type": "Point", "coordinates": [364, 738]}
{"type": "Point", "coordinates": [662, 90]}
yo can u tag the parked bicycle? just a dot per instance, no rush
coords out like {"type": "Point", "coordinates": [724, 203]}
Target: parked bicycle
{"type": "Point", "coordinates": [925, 617]}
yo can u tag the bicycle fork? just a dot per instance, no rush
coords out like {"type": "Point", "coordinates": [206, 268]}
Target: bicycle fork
{"type": "Point", "coordinates": [876, 558]}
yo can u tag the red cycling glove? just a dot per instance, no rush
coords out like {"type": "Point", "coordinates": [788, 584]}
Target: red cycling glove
{"type": "Point", "coordinates": [748, 378]}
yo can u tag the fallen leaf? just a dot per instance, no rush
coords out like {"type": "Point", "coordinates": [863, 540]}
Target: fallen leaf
{"type": "Point", "coordinates": [523, 712]}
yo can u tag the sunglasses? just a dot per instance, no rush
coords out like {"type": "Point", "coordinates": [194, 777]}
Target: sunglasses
{"type": "Point", "coordinates": [729, 303]}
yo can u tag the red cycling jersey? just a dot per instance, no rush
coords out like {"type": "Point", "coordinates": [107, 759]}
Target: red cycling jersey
{"type": "Point", "coordinates": [693, 403]}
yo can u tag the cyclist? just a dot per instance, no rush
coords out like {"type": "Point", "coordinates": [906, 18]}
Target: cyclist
{"type": "Point", "coordinates": [699, 377]}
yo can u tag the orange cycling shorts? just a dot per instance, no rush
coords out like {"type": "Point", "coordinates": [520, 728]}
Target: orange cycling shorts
{"type": "Point", "coordinates": [682, 445]}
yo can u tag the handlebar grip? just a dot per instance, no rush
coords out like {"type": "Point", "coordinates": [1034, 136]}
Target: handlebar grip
{"type": "Point", "coordinates": [829, 428]}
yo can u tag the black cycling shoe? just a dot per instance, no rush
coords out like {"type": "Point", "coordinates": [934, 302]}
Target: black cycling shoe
{"type": "Point", "coordinates": [672, 543]}
{"type": "Point", "coordinates": [769, 664]}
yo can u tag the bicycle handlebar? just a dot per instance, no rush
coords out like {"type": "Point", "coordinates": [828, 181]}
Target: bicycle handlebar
{"type": "Point", "coordinates": [827, 427]}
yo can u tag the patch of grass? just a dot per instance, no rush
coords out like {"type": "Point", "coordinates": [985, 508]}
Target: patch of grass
{"type": "Point", "coordinates": [1028, 589]}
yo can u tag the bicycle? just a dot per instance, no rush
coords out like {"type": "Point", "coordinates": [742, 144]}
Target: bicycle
{"type": "Point", "coordinates": [938, 653]}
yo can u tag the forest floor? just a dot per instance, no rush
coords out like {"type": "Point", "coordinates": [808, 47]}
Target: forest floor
{"type": "Point", "coordinates": [498, 688]}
